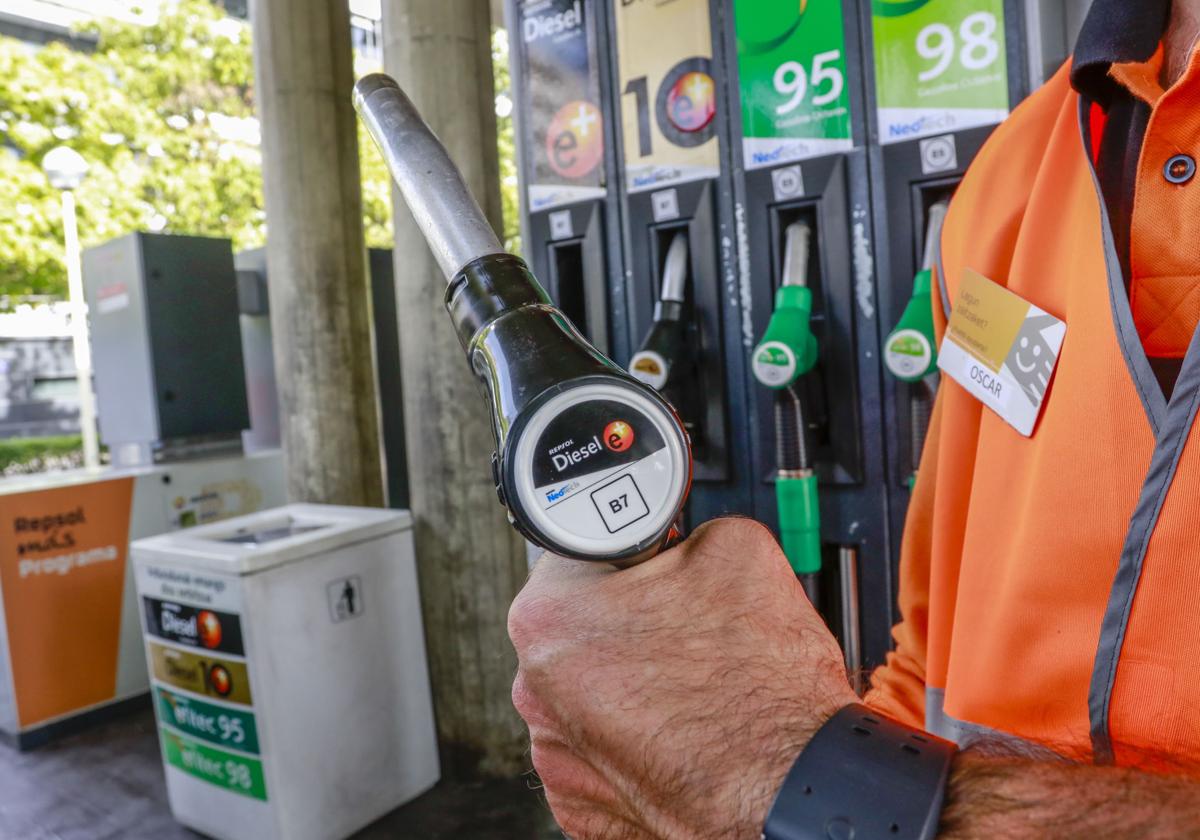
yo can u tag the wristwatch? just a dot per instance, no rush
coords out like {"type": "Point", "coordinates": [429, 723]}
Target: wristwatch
{"type": "Point", "coordinates": [863, 776]}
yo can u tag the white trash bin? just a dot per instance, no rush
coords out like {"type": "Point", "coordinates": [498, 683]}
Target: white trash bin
{"type": "Point", "coordinates": [288, 673]}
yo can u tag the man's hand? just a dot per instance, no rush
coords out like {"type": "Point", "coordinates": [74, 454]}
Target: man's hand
{"type": "Point", "coordinates": [670, 699]}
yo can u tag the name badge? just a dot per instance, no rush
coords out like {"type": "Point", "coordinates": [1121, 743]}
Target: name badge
{"type": "Point", "coordinates": [1002, 349]}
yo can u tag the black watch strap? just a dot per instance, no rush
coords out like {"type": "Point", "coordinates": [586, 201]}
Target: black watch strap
{"type": "Point", "coordinates": [866, 777]}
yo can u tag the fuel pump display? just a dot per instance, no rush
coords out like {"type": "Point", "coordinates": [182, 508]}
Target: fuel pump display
{"type": "Point", "coordinates": [590, 463]}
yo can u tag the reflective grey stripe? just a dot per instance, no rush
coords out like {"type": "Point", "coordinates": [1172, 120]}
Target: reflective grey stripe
{"type": "Point", "coordinates": [1172, 423]}
{"type": "Point", "coordinates": [1127, 335]}
{"type": "Point", "coordinates": [943, 293]}
{"type": "Point", "coordinates": [1181, 414]}
{"type": "Point", "coordinates": [965, 733]}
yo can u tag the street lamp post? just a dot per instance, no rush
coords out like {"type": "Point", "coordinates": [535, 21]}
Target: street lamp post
{"type": "Point", "coordinates": [65, 168]}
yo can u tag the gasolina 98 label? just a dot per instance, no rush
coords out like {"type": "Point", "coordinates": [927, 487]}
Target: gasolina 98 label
{"type": "Point", "coordinates": [231, 771]}
{"type": "Point", "coordinates": [940, 66]}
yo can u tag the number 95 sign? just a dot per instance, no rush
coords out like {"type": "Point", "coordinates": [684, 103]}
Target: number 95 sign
{"type": "Point", "coordinates": [792, 80]}
{"type": "Point", "coordinates": [939, 66]}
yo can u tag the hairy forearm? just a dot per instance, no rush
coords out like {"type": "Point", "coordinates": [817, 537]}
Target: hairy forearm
{"type": "Point", "coordinates": [996, 796]}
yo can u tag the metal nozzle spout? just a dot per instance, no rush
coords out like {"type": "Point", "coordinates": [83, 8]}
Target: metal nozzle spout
{"type": "Point", "coordinates": [795, 254]}
{"type": "Point", "coordinates": [448, 215]}
{"type": "Point", "coordinates": [675, 269]}
{"type": "Point", "coordinates": [933, 231]}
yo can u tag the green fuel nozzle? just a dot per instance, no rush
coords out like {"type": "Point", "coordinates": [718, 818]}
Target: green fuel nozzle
{"type": "Point", "coordinates": [910, 351]}
{"type": "Point", "coordinates": [787, 351]}
{"type": "Point", "coordinates": [788, 348]}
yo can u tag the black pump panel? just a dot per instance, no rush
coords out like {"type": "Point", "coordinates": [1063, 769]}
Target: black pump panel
{"type": "Point", "coordinates": [690, 210]}
{"type": "Point", "coordinates": [568, 257]}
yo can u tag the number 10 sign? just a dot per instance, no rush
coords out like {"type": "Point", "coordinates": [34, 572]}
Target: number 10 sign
{"type": "Point", "coordinates": [939, 66]}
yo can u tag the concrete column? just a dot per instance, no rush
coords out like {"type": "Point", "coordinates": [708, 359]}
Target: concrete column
{"type": "Point", "coordinates": [316, 256]}
{"type": "Point", "coordinates": [472, 563]}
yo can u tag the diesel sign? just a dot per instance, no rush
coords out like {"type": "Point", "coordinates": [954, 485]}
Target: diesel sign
{"type": "Point", "coordinates": [193, 626]}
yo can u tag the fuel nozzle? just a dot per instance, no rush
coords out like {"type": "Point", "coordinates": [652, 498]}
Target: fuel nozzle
{"type": "Point", "coordinates": [910, 351]}
{"type": "Point", "coordinates": [788, 348]}
{"type": "Point", "coordinates": [590, 463]}
{"type": "Point", "coordinates": [665, 361]}
{"type": "Point", "coordinates": [787, 351]}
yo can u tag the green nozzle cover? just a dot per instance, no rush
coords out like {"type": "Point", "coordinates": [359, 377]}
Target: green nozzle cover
{"type": "Point", "coordinates": [788, 348]}
{"type": "Point", "coordinates": [910, 351]}
{"type": "Point", "coordinates": [799, 522]}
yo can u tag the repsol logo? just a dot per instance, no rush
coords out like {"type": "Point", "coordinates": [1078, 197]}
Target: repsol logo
{"type": "Point", "coordinates": [990, 383]}
{"type": "Point", "coordinates": [542, 27]}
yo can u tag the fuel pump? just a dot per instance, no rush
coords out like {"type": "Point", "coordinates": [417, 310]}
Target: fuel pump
{"type": "Point", "coordinates": [788, 351]}
{"type": "Point", "coordinates": [589, 462]}
{"type": "Point", "coordinates": [910, 351]}
{"type": "Point", "coordinates": [942, 74]}
{"type": "Point", "coordinates": [666, 360]}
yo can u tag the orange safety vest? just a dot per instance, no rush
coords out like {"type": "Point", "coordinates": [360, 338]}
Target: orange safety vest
{"type": "Point", "coordinates": [1051, 585]}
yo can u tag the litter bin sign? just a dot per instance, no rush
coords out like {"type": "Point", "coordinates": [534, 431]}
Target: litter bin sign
{"type": "Point", "coordinates": [288, 672]}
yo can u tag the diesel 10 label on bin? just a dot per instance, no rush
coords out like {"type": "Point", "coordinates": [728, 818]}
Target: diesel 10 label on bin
{"type": "Point", "coordinates": [193, 626]}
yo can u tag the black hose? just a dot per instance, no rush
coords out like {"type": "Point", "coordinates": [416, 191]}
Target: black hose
{"type": "Point", "coordinates": [921, 410]}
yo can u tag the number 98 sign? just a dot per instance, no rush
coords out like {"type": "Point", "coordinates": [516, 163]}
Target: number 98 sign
{"type": "Point", "coordinates": [939, 66]}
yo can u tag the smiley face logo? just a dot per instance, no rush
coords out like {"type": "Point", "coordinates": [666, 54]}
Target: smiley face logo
{"type": "Point", "coordinates": [210, 629]}
{"type": "Point", "coordinates": [618, 436]}
{"type": "Point", "coordinates": [575, 139]}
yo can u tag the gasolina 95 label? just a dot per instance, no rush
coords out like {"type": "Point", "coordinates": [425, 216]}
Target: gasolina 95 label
{"type": "Point", "coordinates": [237, 773]}
{"type": "Point", "coordinates": [207, 721]}
{"type": "Point", "coordinates": [792, 67]}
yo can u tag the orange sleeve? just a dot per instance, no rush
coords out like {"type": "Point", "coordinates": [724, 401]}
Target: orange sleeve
{"type": "Point", "coordinates": [898, 687]}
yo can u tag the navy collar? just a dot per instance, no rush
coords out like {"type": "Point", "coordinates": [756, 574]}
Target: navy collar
{"type": "Point", "coordinates": [1115, 31]}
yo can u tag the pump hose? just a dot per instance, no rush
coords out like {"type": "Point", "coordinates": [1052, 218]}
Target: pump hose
{"type": "Point", "coordinates": [920, 412]}
{"type": "Point", "coordinates": [791, 432]}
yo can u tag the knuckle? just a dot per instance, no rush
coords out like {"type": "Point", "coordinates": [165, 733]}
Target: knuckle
{"type": "Point", "coordinates": [734, 538]}
{"type": "Point", "coordinates": [525, 699]}
{"type": "Point", "coordinates": [530, 618]}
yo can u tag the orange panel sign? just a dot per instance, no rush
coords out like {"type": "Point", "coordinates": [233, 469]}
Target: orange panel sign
{"type": "Point", "coordinates": [62, 572]}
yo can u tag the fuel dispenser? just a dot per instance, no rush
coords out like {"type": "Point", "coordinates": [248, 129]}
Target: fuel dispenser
{"type": "Point", "coordinates": [565, 162]}
{"type": "Point", "coordinates": [945, 73]}
{"type": "Point", "coordinates": [787, 352]}
{"type": "Point", "coordinates": [680, 254]}
{"type": "Point", "coordinates": [802, 206]}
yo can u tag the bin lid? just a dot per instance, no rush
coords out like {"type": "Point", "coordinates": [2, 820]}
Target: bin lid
{"type": "Point", "coordinates": [258, 541]}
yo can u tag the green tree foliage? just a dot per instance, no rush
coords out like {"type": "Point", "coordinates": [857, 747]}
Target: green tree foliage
{"type": "Point", "coordinates": [164, 114]}
{"type": "Point", "coordinates": [506, 143]}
